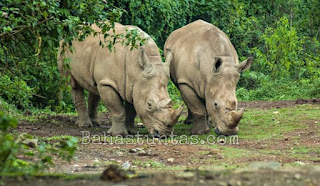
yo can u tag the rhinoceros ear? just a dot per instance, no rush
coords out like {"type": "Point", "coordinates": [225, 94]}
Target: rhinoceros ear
{"type": "Point", "coordinates": [168, 60]}
{"type": "Point", "coordinates": [245, 65]}
{"type": "Point", "coordinates": [144, 61]}
{"type": "Point", "coordinates": [169, 57]}
{"type": "Point", "coordinates": [217, 64]}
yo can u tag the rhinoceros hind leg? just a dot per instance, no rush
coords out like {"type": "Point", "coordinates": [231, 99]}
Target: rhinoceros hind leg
{"type": "Point", "coordinates": [189, 119]}
{"type": "Point", "coordinates": [114, 103]}
{"type": "Point", "coordinates": [80, 105]}
{"type": "Point", "coordinates": [197, 108]}
{"type": "Point", "coordinates": [93, 103]}
{"type": "Point", "coordinates": [130, 115]}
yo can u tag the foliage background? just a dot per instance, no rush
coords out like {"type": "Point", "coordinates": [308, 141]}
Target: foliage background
{"type": "Point", "coordinates": [283, 36]}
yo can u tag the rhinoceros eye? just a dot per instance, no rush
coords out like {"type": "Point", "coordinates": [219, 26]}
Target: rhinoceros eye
{"type": "Point", "coordinates": [150, 105]}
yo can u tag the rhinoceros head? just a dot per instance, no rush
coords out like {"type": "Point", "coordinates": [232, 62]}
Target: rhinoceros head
{"type": "Point", "coordinates": [221, 101]}
{"type": "Point", "coordinates": [150, 96]}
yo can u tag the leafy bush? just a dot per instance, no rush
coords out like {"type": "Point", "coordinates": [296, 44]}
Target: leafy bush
{"type": "Point", "coordinates": [284, 41]}
{"type": "Point", "coordinates": [23, 154]}
{"type": "Point", "coordinates": [30, 34]}
{"type": "Point", "coordinates": [281, 90]}
{"type": "Point", "coordinates": [16, 91]}
{"type": "Point", "coordinates": [283, 55]}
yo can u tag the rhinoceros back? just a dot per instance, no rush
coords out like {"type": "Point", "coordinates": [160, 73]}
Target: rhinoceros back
{"type": "Point", "coordinates": [92, 65]}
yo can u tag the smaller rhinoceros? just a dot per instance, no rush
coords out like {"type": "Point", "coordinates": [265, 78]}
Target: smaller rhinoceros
{"type": "Point", "coordinates": [127, 81]}
{"type": "Point", "coordinates": [206, 70]}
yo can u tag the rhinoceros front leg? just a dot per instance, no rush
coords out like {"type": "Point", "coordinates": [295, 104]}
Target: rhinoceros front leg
{"type": "Point", "coordinates": [114, 103]}
{"type": "Point", "coordinates": [81, 107]}
{"type": "Point", "coordinates": [197, 108]}
{"type": "Point", "coordinates": [189, 119]}
{"type": "Point", "coordinates": [93, 103]}
{"type": "Point", "coordinates": [130, 115]}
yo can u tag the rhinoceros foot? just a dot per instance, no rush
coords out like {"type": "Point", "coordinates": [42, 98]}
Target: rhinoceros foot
{"type": "Point", "coordinates": [132, 130]}
{"type": "Point", "coordinates": [84, 123]}
{"type": "Point", "coordinates": [200, 130]}
{"type": "Point", "coordinates": [200, 125]}
{"type": "Point", "coordinates": [116, 130]}
{"type": "Point", "coordinates": [95, 122]}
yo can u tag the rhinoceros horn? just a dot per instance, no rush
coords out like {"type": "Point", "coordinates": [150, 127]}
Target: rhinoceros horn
{"type": "Point", "coordinates": [144, 61]}
{"type": "Point", "coordinates": [235, 117]}
{"type": "Point", "coordinates": [176, 116]}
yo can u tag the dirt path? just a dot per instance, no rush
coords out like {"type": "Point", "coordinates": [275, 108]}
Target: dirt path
{"type": "Point", "coordinates": [297, 145]}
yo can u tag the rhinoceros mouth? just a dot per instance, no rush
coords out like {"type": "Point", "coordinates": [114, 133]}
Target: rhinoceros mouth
{"type": "Point", "coordinates": [159, 126]}
{"type": "Point", "coordinates": [162, 130]}
{"type": "Point", "coordinates": [223, 129]}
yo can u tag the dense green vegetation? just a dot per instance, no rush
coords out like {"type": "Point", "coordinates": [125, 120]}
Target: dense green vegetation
{"type": "Point", "coordinates": [283, 36]}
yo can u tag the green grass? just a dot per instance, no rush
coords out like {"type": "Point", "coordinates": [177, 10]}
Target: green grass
{"type": "Point", "coordinates": [261, 124]}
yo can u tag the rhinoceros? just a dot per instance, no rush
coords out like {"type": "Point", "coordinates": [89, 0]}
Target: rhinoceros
{"type": "Point", "coordinates": [127, 81]}
{"type": "Point", "coordinates": [206, 69]}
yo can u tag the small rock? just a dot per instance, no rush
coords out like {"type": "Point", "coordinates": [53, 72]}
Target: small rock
{"type": "Point", "coordinates": [140, 125]}
{"type": "Point", "coordinates": [126, 165]}
{"type": "Point", "coordinates": [76, 166]}
{"type": "Point", "coordinates": [133, 150]}
{"type": "Point", "coordinates": [276, 112]}
{"type": "Point", "coordinates": [119, 153]}
{"type": "Point", "coordinates": [298, 176]}
{"type": "Point", "coordinates": [221, 141]}
{"type": "Point", "coordinates": [148, 165]}
{"type": "Point", "coordinates": [170, 160]}
{"type": "Point", "coordinates": [299, 163]}
{"type": "Point", "coordinates": [113, 173]}
{"type": "Point", "coordinates": [33, 143]}
{"type": "Point", "coordinates": [138, 149]}
{"type": "Point", "coordinates": [143, 153]}
{"type": "Point", "coordinates": [220, 156]}
{"type": "Point", "coordinates": [316, 122]}
{"type": "Point", "coordinates": [96, 161]}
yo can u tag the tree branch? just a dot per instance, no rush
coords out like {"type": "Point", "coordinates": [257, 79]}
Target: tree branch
{"type": "Point", "coordinates": [24, 27]}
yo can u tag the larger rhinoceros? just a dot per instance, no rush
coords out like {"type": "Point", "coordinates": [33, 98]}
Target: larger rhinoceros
{"type": "Point", "coordinates": [127, 81]}
{"type": "Point", "coordinates": [206, 70]}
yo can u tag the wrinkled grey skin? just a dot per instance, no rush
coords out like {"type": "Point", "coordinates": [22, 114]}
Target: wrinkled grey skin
{"type": "Point", "coordinates": [206, 70]}
{"type": "Point", "coordinates": [128, 82]}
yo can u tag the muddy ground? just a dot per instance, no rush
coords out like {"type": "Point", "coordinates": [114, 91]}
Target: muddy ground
{"type": "Point", "coordinates": [278, 144]}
